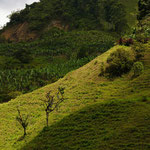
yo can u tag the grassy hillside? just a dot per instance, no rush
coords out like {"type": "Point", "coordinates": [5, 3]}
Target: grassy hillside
{"type": "Point", "coordinates": [121, 123]}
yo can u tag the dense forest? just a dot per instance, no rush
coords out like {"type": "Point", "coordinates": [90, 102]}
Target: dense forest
{"type": "Point", "coordinates": [77, 14]}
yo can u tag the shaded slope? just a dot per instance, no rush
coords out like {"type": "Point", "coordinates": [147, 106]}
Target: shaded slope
{"type": "Point", "coordinates": [115, 125]}
{"type": "Point", "coordinates": [82, 87]}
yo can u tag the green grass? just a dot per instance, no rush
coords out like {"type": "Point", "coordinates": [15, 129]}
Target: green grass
{"type": "Point", "coordinates": [115, 125]}
{"type": "Point", "coordinates": [87, 107]}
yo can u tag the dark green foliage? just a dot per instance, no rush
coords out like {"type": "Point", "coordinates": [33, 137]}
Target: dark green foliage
{"type": "Point", "coordinates": [10, 63]}
{"type": "Point", "coordinates": [138, 68]}
{"type": "Point", "coordinates": [23, 55]}
{"type": "Point", "coordinates": [15, 17]}
{"type": "Point", "coordinates": [57, 42]}
{"type": "Point", "coordinates": [4, 97]}
{"type": "Point", "coordinates": [119, 62]}
{"type": "Point", "coordinates": [77, 14]}
{"type": "Point", "coordinates": [117, 125]}
{"type": "Point", "coordinates": [144, 8]}
{"type": "Point", "coordinates": [27, 80]}
{"type": "Point", "coordinates": [115, 14]}
{"type": "Point", "coordinates": [20, 16]}
{"type": "Point", "coordinates": [22, 70]}
{"type": "Point", "coordinates": [2, 39]}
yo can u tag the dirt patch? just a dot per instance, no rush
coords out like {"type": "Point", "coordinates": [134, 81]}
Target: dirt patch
{"type": "Point", "coordinates": [19, 32]}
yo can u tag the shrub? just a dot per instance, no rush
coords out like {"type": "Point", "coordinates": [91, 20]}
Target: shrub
{"type": "Point", "coordinates": [138, 68]}
{"type": "Point", "coordinates": [119, 62]}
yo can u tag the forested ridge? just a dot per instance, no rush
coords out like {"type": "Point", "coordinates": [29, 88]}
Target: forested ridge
{"type": "Point", "coordinates": [77, 14]}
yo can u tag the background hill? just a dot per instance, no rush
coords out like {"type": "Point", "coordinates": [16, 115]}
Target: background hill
{"type": "Point", "coordinates": [39, 17]}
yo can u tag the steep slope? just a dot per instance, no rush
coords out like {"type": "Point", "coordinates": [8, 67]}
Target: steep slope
{"type": "Point", "coordinates": [83, 87]}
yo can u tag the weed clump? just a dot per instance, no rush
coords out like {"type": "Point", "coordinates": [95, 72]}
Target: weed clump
{"type": "Point", "coordinates": [119, 62]}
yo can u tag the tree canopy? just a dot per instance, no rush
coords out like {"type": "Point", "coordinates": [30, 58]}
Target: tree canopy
{"type": "Point", "coordinates": [79, 14]}
{"type": "Point", "coordinates": [144, 8]}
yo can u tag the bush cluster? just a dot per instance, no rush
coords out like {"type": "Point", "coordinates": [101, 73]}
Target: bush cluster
{"type": "Point", "coordinates": [119, 62]}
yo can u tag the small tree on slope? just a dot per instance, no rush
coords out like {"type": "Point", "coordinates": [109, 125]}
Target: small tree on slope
{"type": "Point", "coordinates": [23, 121]}
{"type": "Point", "coordinates": [52, 102]}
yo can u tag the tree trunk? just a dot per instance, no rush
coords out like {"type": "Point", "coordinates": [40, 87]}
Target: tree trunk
{"type": "Point", "coordinates": [25, 132]}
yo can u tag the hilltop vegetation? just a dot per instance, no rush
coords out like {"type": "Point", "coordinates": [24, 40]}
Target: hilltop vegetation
{"type": "Point", "coordinates": [39, 17]}
{"type": "Point", "coordinates": [77, 14]}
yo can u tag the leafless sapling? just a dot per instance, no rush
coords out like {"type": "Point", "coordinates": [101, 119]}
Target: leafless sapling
{"type": "Point", "coordinates": [52, 102]}
{"type": "Point", "coordinates": [23, 120]}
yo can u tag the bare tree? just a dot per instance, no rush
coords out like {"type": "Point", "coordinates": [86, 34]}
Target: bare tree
{"type": "Point", "coordinates": [23, 120]}
{"type": "Point", "coordinates": [52, 102]}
